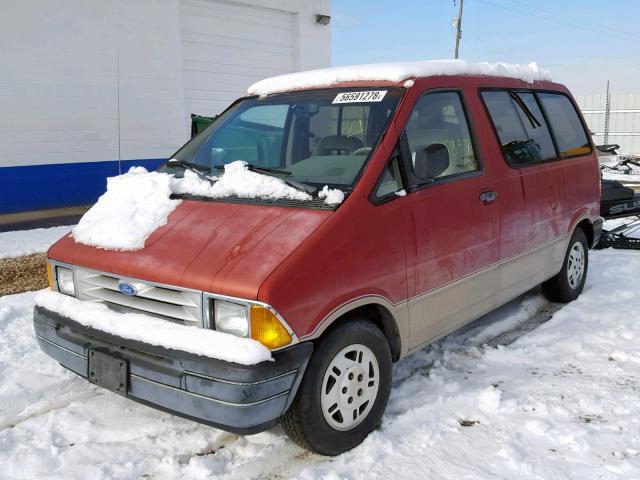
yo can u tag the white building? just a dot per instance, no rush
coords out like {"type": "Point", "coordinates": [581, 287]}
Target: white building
{"type": "Point", "coordinates": [89, 87]}
{"type": "Point", "coordinates": [624, 119]}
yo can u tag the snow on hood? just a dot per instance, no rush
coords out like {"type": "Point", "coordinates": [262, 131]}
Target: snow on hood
{"type": "Point", "coordinates": [138, 202]}
{"type": "Point", "coordinates": [394, 72]}
{"type": "Point", "coordinates": [133, 207]}
{"type": "Point", "coordinates": [332, 196]}
{"type": "Point", "coordinates": [144, 328]}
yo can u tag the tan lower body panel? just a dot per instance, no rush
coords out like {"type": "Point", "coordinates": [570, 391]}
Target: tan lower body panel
{"type": "Point", "coordinates": [447, 308]}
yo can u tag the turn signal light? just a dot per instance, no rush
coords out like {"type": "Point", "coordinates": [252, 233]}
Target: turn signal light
{"type": "Point", "coordinates": [267, 329]}
{"type": "Point", "coordinates": [50, 275]}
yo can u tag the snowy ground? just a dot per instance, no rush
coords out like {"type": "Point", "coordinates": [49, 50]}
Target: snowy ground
{"type": "Point", "coordinates": [510, 397]}
{"type": "Point", "coordinates": [27, 242]}
{"type": "Point", "coordinates": [625, 174]}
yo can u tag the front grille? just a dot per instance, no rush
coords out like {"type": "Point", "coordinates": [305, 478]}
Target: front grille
{"type": "Point", "coordinates": [170, 303]}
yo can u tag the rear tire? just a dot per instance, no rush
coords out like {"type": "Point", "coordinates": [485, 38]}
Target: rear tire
{"type": "Point", "coordinates": [344, 391]}
{"type": "Point", "coordinates": [567, 285]}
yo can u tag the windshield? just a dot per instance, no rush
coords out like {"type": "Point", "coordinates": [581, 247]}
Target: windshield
{"type": "Point", "coordinates": [319, 138]}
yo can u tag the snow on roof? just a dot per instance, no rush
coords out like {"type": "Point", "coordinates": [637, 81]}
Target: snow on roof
{"type": "Point", "coordinates": [394, 72]}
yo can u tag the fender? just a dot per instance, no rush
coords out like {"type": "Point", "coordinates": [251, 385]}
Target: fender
{"type": "Point", "coordinates": [399, 313]}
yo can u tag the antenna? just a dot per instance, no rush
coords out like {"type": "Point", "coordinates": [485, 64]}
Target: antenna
{"type": "Point", "coordinates": [118, 102]}
{"type": "Point", "coordinates": [457, 24]}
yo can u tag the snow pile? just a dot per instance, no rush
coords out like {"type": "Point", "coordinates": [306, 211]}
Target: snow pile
{"type": "Point", "coordinates": [143, 328]}
{"type": "Point", "coordinates": [394, 72]}
{"type": "Point", "coordinates": [239, 181]}
{"type": "Point", "coordinates": [28, 242]}
{"type": "Point", "coordinates": [332, 196]}
{"type": "Point", "coordinates": [622, 167]}
{"type": "Point", "coordinates": [133, 207]}
{"type": "Point", "coordinates": [138, 202]}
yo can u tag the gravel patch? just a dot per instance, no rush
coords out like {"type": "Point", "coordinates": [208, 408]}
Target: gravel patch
{"type": "Point", "coordinates": [23, 274]}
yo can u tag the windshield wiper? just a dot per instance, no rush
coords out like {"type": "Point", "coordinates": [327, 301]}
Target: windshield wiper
{"type": "Point", "coordinates": [260, 169]}
{"type": "Point", "coordinates": [276, 172]}
{"type": "Point", "coordinates": [193, 167]}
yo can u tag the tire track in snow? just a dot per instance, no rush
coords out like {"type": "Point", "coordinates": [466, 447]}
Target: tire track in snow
{"type": "Point", "coordinates": [46, 406]}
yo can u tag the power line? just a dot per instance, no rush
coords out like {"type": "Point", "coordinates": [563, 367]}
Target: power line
{"type": "Point", "coordinates": [552, 18]}
{"type": "Point", "coordinates": [629, 35]}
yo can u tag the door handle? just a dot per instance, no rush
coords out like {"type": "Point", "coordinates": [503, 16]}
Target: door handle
{"type": "Point", "coordinates": [488, 197]}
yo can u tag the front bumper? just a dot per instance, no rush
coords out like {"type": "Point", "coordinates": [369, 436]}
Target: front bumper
{"type": "Point", "coordinates": [238, 398]}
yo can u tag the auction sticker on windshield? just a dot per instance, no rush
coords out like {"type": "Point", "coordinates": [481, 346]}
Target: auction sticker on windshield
{"type": "Point", "coordinates": [354, 97]}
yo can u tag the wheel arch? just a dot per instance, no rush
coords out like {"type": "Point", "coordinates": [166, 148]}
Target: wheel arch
{"type": "Point", "coordinates": [391, 320]}
{"type": "Point", "coordinates": [587, 227]}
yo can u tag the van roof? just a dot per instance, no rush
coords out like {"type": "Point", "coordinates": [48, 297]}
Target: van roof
{"type": "Point", "coordinates": [395, 73]}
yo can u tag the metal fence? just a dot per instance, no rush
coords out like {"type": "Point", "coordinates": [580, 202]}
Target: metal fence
{"type": "Point", "coordinates": [624, 119]}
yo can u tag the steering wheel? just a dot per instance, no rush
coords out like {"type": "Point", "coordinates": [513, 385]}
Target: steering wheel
{"type": "Point", "coordinates": [361, 151]}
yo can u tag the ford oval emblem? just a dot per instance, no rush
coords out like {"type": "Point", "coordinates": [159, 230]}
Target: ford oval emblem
{"type": "Point", "coordinates": [127, 288]}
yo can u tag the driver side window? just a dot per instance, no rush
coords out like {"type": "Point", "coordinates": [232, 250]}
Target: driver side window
{"type": "Point", "coordinates": [439, 139]}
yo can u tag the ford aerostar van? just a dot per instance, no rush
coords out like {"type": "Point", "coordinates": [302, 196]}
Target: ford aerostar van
{"type": "Point", "coordinates": [457, 187]}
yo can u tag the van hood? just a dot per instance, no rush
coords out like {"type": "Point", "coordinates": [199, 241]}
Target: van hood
{"type": "Point", "coordinates": [223, 248]}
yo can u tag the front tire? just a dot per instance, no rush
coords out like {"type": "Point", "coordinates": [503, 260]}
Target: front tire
{"type": "Point", "coordinates": [567, 285]}
{"type": "Point", "coordinates": [344, 391]}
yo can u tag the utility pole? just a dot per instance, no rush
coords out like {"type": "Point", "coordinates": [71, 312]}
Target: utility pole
{"type": "Point", "coordinates": [457, 23]}
{"type": "Point", "coordinates": [607, 113]}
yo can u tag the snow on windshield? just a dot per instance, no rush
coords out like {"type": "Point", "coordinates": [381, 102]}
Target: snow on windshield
{"type": "Point", "coordinates": [239, 181]}
{"type": "Point", "coordinates": [139, 202]}
{"type": "Point", "coordinates": [332, 196]}
{"type": "Point", "coordinates": [394, 72]}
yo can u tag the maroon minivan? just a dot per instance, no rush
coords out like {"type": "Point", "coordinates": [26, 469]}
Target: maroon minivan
{"type": "Point", "coordinates": [456, 188]}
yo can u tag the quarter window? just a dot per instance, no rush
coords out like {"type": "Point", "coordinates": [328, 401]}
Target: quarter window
{"type": "Point", "coordinates": [521, 127]}
{"type": "Point", "coordinates": [391, 180]}
{"type": "Point", "coordinates": [438, 136]}
{"type": "Point", "coordinates": [565, 123]}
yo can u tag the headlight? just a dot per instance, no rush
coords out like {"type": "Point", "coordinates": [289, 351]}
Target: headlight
{"type": "Point", "coordinates": [258, 322]}
{"type": "Point", "coordinates": [64, 279]}
{"type": "Point", "coordinates": [231, 318]}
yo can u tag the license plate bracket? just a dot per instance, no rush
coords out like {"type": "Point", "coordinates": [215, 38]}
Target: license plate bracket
{"type": "Point", "coordinates": [108, 371]}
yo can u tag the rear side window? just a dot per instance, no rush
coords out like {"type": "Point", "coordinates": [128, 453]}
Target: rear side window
{"type": "Point", "coordinates": [565, 123]}
{"type": "Point", "coordinates": [521, 127]}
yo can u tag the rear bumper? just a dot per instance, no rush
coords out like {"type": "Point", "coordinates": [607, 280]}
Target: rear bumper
{"type": "Point", "coordinates": [242, 399]}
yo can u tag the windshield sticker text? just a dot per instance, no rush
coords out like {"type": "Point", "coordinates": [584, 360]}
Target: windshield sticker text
{"type": "Point", "coordinates": [354, 97]}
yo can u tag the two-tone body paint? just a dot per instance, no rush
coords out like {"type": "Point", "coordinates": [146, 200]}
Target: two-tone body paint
{"type": "Point", "coordinates": [312, 266]}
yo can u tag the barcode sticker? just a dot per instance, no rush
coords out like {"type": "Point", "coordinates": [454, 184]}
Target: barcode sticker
{"type": "Point", "coordinates": [355, 97]}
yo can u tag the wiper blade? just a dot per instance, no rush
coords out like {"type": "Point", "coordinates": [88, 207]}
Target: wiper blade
{"type": "Point", "coordinates": [193, 167]}
{"type": "Point", "coordinates": [260, 169]}
{"type": "Point", "coordinates": [276, 172]}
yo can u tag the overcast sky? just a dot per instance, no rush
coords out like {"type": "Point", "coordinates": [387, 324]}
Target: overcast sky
{"type": "Point", "coordinates": [582, 42]}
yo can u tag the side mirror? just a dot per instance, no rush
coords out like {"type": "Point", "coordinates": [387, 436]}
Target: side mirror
{"type": "Point", "coordinates": [431, 161]}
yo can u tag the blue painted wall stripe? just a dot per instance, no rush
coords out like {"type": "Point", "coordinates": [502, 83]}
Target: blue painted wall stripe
{"type": "Point", "coordinates": [35, 187]}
